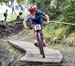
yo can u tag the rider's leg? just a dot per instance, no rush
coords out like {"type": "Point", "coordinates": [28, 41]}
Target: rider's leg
{"type": "Point", "coordinates": [35, 39]}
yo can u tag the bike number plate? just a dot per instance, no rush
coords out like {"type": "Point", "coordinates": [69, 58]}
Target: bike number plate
{"type": "Point", "coordinates": [37, 27]}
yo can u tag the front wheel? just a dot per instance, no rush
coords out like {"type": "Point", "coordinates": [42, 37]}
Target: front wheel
{"type": "Point", "coordinates": [40, 42]}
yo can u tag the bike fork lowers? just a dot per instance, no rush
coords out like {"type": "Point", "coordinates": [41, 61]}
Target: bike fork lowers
{"type": "Point", "coordinates": [40, 41]}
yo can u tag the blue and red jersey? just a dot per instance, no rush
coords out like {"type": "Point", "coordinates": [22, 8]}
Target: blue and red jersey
{"type": "Point", "coordinates": [36, 19]}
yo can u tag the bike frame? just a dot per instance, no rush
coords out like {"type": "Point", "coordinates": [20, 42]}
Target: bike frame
{"type": "Point", "coordinates": [38, 31]}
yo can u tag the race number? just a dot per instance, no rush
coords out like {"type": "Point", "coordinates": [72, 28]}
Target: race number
{"type": "Point", "coordinates": [37, 27]}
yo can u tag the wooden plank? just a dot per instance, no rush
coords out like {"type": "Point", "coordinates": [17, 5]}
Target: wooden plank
{"type": "Point", "coordinates": [33, 54]}
{"type": "Point", "coordinates": [51, 56]}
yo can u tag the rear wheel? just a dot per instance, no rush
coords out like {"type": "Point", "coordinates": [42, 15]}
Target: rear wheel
{"type": "Point", "coordinates": [40, 41]}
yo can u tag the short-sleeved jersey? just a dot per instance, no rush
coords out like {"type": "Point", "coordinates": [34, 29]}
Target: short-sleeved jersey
{"type": "Point", "coordinates": [37, 19]}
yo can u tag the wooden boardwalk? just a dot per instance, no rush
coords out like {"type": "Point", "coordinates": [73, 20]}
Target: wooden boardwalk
{"type": "Point", "coordinates": [33, 55]}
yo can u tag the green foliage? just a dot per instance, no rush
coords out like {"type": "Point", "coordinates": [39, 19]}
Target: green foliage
{"type": "Point", "coordinates": [69, 14]}
{"type": "Point", "coordinates": [56, 32]}
{"type": "Point", "coordinates": [70, 40]}
{"type": "Point", "coordinates": [9, 19]}
{"type": "Point", "coordinates": [0, 1]}
{"type": "Point", "coordinates": [52, 7]}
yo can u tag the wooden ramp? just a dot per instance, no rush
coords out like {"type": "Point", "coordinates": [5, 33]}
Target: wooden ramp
{"type": "Point", "coordinates": [33, 55]}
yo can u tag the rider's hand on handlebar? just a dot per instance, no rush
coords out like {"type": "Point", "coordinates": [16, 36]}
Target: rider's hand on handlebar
{"type": "Point", "coordinates": [45, 23]}
{"type": "Point", "coordinates": [26, 27]}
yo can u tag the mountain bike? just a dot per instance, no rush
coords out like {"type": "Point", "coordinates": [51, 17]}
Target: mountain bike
{"type": "Point", "coordinates": [38, 29]}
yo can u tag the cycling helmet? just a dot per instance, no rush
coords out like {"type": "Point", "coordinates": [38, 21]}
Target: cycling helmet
{"type": "Point", "coordinates": [32, 9]}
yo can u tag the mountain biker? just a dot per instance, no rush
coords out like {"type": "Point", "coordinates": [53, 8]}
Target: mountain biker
{"type": "Point", "coordinates": [36, 16]}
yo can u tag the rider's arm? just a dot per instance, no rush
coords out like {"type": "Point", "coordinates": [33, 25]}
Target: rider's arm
{"type": "Point", "coordinates": [24, 22]}
{"type": "Point", "coordinates": [47, 18]}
